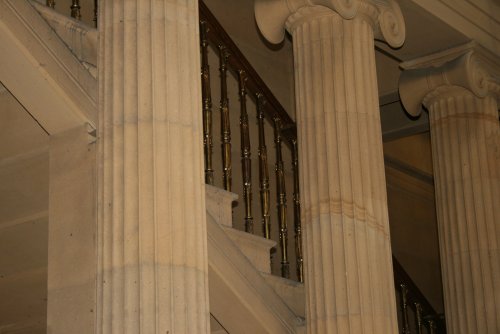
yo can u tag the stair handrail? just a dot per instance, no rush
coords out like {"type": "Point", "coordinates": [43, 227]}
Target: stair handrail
{"type": "Point", "coordinates": [218, 36]}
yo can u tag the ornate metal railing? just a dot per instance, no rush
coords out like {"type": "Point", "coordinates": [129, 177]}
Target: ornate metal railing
{"type": "Point", "coordinates": [268, 114]}
{"type": "Point", "coordinates": [416, 314]}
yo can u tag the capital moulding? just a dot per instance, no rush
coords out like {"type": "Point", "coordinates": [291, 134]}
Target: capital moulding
{"type": "Point", "coordinates": [468, 68]}
{"type": "Point", "coordinates": [388, 21]}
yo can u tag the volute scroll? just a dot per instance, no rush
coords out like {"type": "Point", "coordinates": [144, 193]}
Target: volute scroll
{"type": "Point", "coordinates": [464, 74]}
{"type": "Point", "coordinates": [386, 16]}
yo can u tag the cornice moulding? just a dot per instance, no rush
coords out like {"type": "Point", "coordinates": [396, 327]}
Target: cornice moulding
{"type": "Point", "coordinates": [476, 19]}
{"type": "Point", "coordinates": [487, 57]}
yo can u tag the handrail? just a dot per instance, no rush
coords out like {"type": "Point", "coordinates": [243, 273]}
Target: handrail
{"type": "Point", "coordinates": [254, 83]}
{"type": "Point", "coordinates": [415, 296]}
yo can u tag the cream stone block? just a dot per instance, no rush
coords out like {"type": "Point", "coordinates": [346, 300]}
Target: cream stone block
{"type": "Point", "coordinates": [219, 204]}
{"type": "Point", "coordinates": [152, 244]}
{"type": "Point", "coordinates": [256, 249]}
{"type": "Point", "coordinates": [291, 292]}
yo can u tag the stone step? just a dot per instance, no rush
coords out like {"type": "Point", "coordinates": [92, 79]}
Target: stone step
{"type": "Point", "coordinates": [292, 292]}
{"type": "Point", "coordinates": [256, 249]}
{"type": "Point", "coordinates": [284, 294]}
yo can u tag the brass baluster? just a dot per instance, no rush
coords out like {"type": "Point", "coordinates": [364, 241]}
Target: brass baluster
{"type": "Point", "coordinates": [432, 326]}
{"type": "Point", "coordinates": [404, 306]}
{"type": "Point", "coordinates": [207, 104]}
{"type": "Point", "coordinates": [75, 9]}
{"type": "Point", "coordinates": [296, 212]}
{"type": "Point", "coordinates": [418, 309]}
{"type": "Point", "coordinates": [246, 163]}
{"type": "Point", "coordinates": [96, 9]}
{"type": "Point", "coordinates": [225, 124]}
{"type": "Point", "coordinates": [281, 199]}
{"type": "Point", "coordinates": [263, 170]}
{"type": "Point", "coordinates": [51, 3]}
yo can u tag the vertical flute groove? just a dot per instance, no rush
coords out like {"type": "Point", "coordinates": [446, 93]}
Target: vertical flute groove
{"type": "Point", "coordinates": [246, 162]}
{"type": "Point", "coordinates": [263, 170]}
{"type": "Point", "coordinates": [281, 200]}
{"type": "Point", "coordinates": [207, 105]}
{"type": "Point", "coordinates": [225, 121]}
{"type": "Point", "coordinates": [296, 212]}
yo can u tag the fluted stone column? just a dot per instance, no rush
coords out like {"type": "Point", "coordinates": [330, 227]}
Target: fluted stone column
{"type": "Point", "coordinates": [461, 98]}
{"type": "Point", "coordinates": [348, 265]}
{"type": "Point", "coordinates": [152, 227]}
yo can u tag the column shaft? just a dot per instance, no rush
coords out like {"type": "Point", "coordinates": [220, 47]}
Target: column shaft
{"type": "Point", "coordinates": [466, 157]}
{"type": "Point", "coordinates": [348, 276]}
{"type": "Point", "coordinates": [152, 227]}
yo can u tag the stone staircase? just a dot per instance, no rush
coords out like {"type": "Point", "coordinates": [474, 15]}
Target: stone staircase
{"type": "Point", "coordinates": [244, 296]}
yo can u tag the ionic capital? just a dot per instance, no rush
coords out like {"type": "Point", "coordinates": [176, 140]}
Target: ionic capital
{"type": "Point", "coordinates": [274, 16]}
{"type": "Point", "coordinates": [467, 69]}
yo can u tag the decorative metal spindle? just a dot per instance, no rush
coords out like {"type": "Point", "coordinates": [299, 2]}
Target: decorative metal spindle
{"type": "Point", "coordinates": [263, 170]}
{"type": "Point", "coordinates": [51, 3]}
{"type": "Point", "coordinates": [281, 199]}
{"type": "Point", "coordinates": [246, 162]}
{"type": "Point", "coordinates": [432, 326]}
{"type": "Point", "coordinates": [207, 104]}
{"type": "Point", "coordinates": [96, 9]}
{"type": "Point", "coordinates": [296, 212]}
{"type": "Point", "coordinates": [75, 9]}
{"type": "Point", "coordinates": [224, 120]}
{"type": "Point", "coordinates": [404, 306]}
{"type": "Point", "coordinates": [418, 309]}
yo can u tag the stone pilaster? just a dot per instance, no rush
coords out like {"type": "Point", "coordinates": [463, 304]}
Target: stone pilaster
{"type": "Point", "coordinates": [348, 265]}
{"type": "Point", "coordinates": [460, 96]}
{"type": "Point", "coordinates": [152, 228]}
{"type": "Point", "coordinates": [71, 278]}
